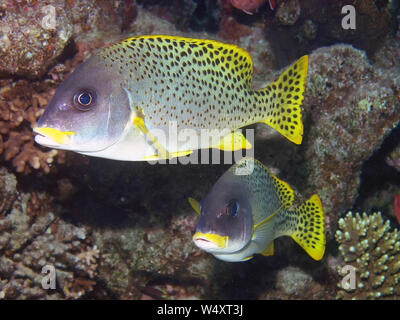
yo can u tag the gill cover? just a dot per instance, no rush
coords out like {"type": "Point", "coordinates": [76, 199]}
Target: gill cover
{"type": "Point", "coordinates": [89, 111]}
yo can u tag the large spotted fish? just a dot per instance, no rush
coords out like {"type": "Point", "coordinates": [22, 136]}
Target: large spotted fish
{"type": "Point", "coordinates": [123, 101]}
{"type": "Point", "coordinates": [243, 214]}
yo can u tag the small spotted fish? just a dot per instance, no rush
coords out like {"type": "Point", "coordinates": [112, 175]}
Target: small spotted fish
{"type": "Point", "coordinates": [115, 104]}
{"type": "Point", "coordinates": [243, 214]}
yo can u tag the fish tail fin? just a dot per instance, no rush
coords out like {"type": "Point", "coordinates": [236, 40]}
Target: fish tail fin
{"type": "Point", "coordinates": [310, 227]}
{"type": "Point", "coordinates": [284, 98]}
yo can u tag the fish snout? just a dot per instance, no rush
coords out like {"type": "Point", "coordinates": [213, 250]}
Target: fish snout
{"type": "Point", "coordinates": [52, 137]}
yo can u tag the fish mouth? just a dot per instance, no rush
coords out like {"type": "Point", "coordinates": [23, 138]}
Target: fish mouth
{"type": "Point", "coordinates": [51, 137]}
{"type": "Point", "coordinates": [210, 241]}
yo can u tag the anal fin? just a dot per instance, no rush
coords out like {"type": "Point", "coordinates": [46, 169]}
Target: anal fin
{"type": "Point", "coordinates": [269, 251]}
{"type": "Point", "coordinates": [232, 142]}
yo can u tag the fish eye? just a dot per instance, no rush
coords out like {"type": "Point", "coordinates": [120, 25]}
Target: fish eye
{"type": "Point", "coordinates": [84, 100]}
{"type": "Point", "coordinates": [233, 208]}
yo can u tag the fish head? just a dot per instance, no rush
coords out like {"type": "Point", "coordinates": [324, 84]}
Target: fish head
{"type": "Point", "coordinates": [226, 221]}
{"type": "Point", "coordinates": [89, 111]}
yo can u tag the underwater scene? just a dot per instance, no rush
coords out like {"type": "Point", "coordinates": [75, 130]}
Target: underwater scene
{"type": "Point", "coordinates": [199, 149]}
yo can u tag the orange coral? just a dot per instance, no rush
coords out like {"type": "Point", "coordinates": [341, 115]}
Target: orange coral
{"type": "Point", "coordinates": [21, 104]}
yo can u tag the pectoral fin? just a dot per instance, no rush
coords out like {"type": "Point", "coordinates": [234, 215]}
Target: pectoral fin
{"type": "Point", "coordinates": [232, 142]}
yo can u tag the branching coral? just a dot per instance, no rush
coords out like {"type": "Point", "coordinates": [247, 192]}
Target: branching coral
{"type": "Point", "coordinates": [8, 184]}
{"type": "Point", "coordinates": [21, 104]}
{"type": "Point", "coordinates": [33, 236]}
{"type": "Point", "coordinates": [368, 245]}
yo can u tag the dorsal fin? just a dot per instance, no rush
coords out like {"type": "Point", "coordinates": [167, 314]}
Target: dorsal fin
{"type": "Point", "coordinates": [226, 58]}
{"type": "Point", "coordinates": [284, 190]}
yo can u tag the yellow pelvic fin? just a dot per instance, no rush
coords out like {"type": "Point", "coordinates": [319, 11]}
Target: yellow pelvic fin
{"type": "Point", "coordinates": [310, 229]}
{"type": "Point", "coordinates": [247, 258]}
{"type": "Point", "coordinates": [163, 153]}
{"type": "Point", "coordinates": [269, 251]}
{"type": "Point", "coordinates": [195, 205]}
{"type": "Point", "coordinates": [232, 142]}
{"type": "Point", "coordinates": [221, 241]}
{"type": "Point", "coordinates": [169, 155]}
{"type": "Point", "coordinates": [61, 137]}
{"type": "Point", "coordinates": [284, 98]}
{"type": "Point", "coordinates": [139, 123]}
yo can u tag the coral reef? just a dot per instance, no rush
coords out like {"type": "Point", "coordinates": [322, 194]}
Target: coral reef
{"type": "Point", "coordinates": [293, 281]}
{"type": "Point", "coordinates": [123, 230]}
{"type": "Point", "coordinates": [368, 245]}
{"type": "Point", "coordinates": [100, 17]}
{"type": "Point", "coordinates": [248, 6]}
{"type": "Point", "coordinates": [350, 107]}
{"type": "Point", "coordinates": [31, 237]}
{"type": "Point", "coordinates": [373, 21]}
{"type": "Point", "coordinates": [288, 12]}
{"type": "Point", "coordinates": [21, 104]}
{"type": "Point", "coordinates": [32, 35]}
{"type": "Point", "coordinates": [8, 185]}
{"type": "Point", "coordinates": [393, 158]}
{"type": "Point", "coordinates": [187, 15]}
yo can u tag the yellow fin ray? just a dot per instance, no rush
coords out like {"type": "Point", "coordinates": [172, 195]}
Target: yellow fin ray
{"type": "Point", "coordinates": [232, 142]}
{"type": "Point", "coordinates": [234, 57]}
{"type": "Point", "coordinates": [163, 153]}
{"type": "Point", "coordinates": [247, 258]}
{"type": "Point", "coordinates": [285, 192]}
{"type": "Point", "coordinates": [139, 123]}
{"type": "Point", "coordinates": [285, 97]}
{"type": "Point", "coordinates": [168, 155]}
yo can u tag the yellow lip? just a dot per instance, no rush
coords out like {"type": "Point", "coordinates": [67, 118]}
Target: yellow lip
{"type": "Point", "coordinates": [220, 241]}
{"type": "Point", "coordinates": [60, 137]}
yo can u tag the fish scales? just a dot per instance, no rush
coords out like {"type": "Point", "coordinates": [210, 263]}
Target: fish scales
{"type": "Point", "coordinates": [243, 214]}
{"type": "Point", "coordinates": [262, 188]}
{"type": "Point", "coordinates": [186, 80]}
{"type": "Point", "coordinates": [204, 84]}
{"type": "Point", "coordinates": [117, 102]}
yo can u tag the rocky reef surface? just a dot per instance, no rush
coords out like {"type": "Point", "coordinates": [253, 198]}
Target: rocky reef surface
{"type": "Point", "coordinates": [121, 230]}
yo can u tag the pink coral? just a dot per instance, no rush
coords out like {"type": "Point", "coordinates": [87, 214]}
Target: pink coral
{"type": "Point", "coordinates": [248, 6]}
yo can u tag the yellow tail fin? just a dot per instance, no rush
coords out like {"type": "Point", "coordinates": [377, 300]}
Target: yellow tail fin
{"type": "Point", "coordinates": [310, 229]}
{"type": "Point", "coordinates": [284, 98]}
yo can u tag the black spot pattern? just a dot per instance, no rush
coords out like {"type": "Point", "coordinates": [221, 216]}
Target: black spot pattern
{"type": "Point", "coordinates": [198, 83]}
{"type": "Point", "coordinates": [284, 98]}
